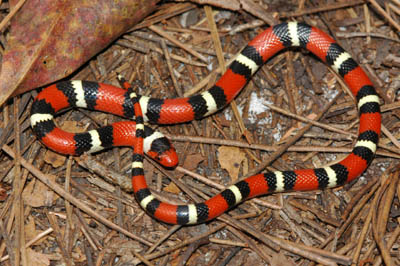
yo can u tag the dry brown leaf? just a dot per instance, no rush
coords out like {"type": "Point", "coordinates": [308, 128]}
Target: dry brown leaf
{"type": "Point", "coordinates": [192, 161]}
{"type": "Point", "coordinates": [296, 127]}
{"type": "Point", "coordinates": [172, 188]}
{"type": "Point", "coordinates": [3, 191]}
{"type": "Point", "coordinates": [54, 159]}
{"type": "Point", "coordinates": [50, 39]}
{"type": "Point", "coordinates": [36, 258]}
{"type": "Point", "coordinates": [175, 258]}
{"type": "Point", "coordinates": [230, 159]}
{"type": "Point", "coordinates": [72, 126]}
{"type": "Point", "coordinates": [79, 255]}
{"type": "Point", "coordinates": [37, 194]}
{"type": "Point", "coordinates": [280, 259]}
{"type": "Point", "coordinates": [30, 229]}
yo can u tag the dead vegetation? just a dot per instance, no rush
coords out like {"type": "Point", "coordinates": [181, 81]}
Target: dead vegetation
{"type": "Point", "coordinates": [295, 113]}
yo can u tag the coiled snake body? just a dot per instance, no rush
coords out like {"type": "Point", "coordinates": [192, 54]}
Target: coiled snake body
{"type": "Point", "coordinates": [122, 102]}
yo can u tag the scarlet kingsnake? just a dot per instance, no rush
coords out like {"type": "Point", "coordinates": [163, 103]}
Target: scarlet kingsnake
{"type": "Point", "coordinates": [102, 97]}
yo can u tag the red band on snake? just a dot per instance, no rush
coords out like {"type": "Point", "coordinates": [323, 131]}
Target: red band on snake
{"type": "Point", "coordinates": [123, 102]}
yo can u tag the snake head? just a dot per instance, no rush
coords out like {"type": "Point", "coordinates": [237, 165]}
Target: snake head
{"type": "Point", "coordinates": [168, 158]}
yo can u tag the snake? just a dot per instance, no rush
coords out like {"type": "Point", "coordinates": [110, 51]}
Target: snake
{"type": "Point", "coordinates": [140, 109]}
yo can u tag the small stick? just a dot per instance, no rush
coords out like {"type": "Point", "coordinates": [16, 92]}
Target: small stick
{"type": "Point", "coordinates": [385, 14]}
{"type": "Point", "coordinates": [176, 42]}
{"type": "Point", "coordinates": [67, 196]}
{"type": "Point", "coordinates": [263, 147]}
{"type": "Point", "coordinates": [365, 34]}
{"type": "Point", "coordinates": [290, 141]}
{"type": "Point", "coordinates": [31, 242]}
{"type": "Point", "coordinates": [171, 231]}
{"type": "Point", "coordinates": [5, 21]}
{"type": "Point", "coordinates": [320, 9]}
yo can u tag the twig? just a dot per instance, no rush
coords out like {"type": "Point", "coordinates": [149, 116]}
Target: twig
{"type": "Point", "coordinates": [375, 223]}
{"type": "Point", "coordinates": [32, 241]}
{"type": "Point", "coordinates": [171, 231]}
{"type": "Point", "coordinates": [221, 62]}
{"type": "Point", "coordinates": [13, 11]}
{"type": "Point", "coordinates": [170, 68]}
{"type": "Point", "coordinates": [326, 7]}
{"type": "Point", "coordinates": [184, 243]}
{"type": "Point", "coordinates": [385, 14]}
{"type": "Point", "coordinates": [178, 43]}
{"type": "Point", "coordinates": [263, 147]}
{"type": "Point", "coordinates": [365, 34]}
{"type": "Point", "coordinates": [67, 196]}
{"type": "Point", "coordinates": [390, 136]}
{"type": "Point", "coordinates": [290, 141]}
{"type": "Point", "coordinates": [59, 238]}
